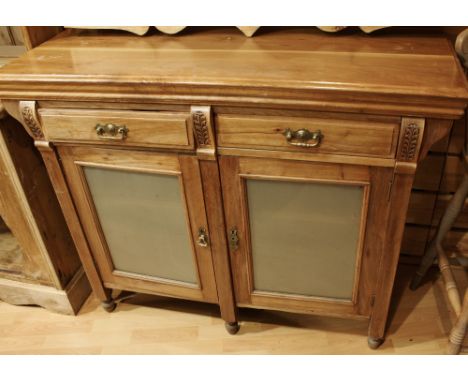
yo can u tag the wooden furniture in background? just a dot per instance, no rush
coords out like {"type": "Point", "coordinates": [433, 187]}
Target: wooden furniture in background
{"type": "Point", "coordinates": [11, 44]}
{"type": "Point", "coordinates": [38, 261]}
{"type": "Point", "coordinates": [231, 144]}
{"type": "Point", "coordinates": [34, 36]}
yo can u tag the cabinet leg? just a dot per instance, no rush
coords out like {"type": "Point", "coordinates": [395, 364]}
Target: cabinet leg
{"type": "Point", "coordinates": [232, 327]}
{"type": "Point", "coordinates": [374, 343]}
{"type": "Point", "coordinates": [398, 206]}
{"type": "Point", "coordinates": [109, 305]}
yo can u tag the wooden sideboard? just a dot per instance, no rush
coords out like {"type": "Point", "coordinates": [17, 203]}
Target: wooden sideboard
{"type": "Point", "coordinates": [272, 172]}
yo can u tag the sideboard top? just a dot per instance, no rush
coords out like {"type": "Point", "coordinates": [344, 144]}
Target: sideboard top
{"type": "Point", "coordinates": [295, 66]}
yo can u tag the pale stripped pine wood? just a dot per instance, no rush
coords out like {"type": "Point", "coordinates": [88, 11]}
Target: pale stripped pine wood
{"type": "Point", "coordinates": [420, 323]}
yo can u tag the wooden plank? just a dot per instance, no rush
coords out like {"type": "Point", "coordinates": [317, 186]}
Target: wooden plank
{"type": "Point", "coordinates": [64, 198]}
{"type": "Point", "coordinates": [452, 175]}
{"type": "Point", "coordinates": [11, 51]}
{"type": "Point", "coordinates": [11, 254]}
{"type": "Point", "coordinates": [441, 205]}
{"type": "Point", "coordinates": [456, 242]}
{"type": "Point", "coordinates": [421, 207]}
{"type": "Point", "coordinates": [429, 173]}
{"type": "Point", "coordinates": [426, 179]}
{"type": "Point", "coordinates": [457, 137]}
{"type": "Point", "coordinates": [41, 200]}
{"type": "Point", "coordinates": [143, 128]}
{"type": "Point", "coordinates": [409, 259]}
{"type": "Point", "coordinates": [17, 35]}
{"type": "Point", "coordinates": [157, 325]}
{"type": "Point", "coordinates": [8, 52]}
{"type": "Point", "coordinates": [414, 240]}
{"type": "Point", "coordinates": [346, 135]}
{"type": "Point", "coordinates": [217, 228]}
{"type": "Point", "coordinates": [441, 146]}
{"type": "Point", "coordinates": [36, 35]}
{"type": "Point", "coordinates": [396, 74]}
{"type": "Point", "coordinates": [5, 37]}
{"type": "Point", "coordinates": [18, 215]}
{"type": "Point", "coordinates": [68, 301]}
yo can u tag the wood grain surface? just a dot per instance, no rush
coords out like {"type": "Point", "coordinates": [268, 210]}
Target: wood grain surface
{"type": "Point", "coordinates": [223, 66]}
{"type": "Point", "coordinates": [420, 323]}
{"type": "Point", "coordinates": [415, 78]}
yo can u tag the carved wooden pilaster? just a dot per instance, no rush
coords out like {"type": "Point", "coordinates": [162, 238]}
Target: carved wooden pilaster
{"type": "Point", "coordinates": [202, 127]}
{"type": "Point", "coordinates": [30, 120]}
{"type": "Point", "coordinates": [408, 152]}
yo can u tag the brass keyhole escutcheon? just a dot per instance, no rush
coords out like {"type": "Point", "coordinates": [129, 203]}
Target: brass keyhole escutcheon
{"type": "Point", "coordinates": [202, 239]}
{"type": "Point", "coordinates": [233, 239]}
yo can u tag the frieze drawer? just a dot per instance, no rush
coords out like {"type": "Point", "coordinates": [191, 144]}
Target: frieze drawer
{"type": "Point", "coordinates": [131, 128]}
{"type": "Point", "coordinates": [361, 136]}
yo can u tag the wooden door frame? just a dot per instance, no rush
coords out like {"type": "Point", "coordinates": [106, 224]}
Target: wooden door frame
{"type": "Point", "coordinates": [186, 168]}
{"type": "Point", "coordinates": [234, 171]}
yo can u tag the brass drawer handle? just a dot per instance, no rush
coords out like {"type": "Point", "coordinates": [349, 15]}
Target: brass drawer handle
{"type": "Point", "coordinates": [111, 131]}
{"type": "Point", "coordinates": [303, 136]}
{"type": "Point", "coordinates": [202, 240]}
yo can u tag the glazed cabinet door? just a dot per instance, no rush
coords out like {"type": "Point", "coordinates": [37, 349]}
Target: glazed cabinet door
{"type": "Point", "coordinates": [301, 234]}
{"type": "Point", "coordinates": [143, 214]}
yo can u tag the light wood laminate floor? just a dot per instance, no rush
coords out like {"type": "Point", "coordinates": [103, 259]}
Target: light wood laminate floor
{"type": "Point", "coordinates": [420, 322]}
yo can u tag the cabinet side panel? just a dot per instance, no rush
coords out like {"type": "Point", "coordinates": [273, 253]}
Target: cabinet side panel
{"type": "Point", "coordinates": [42, 201]}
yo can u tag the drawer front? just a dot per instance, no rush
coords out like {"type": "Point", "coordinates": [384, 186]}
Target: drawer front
{"type": "Point", "coordinates": [366, 136]}
{"type": "Point", "coordinates": [142, 128]}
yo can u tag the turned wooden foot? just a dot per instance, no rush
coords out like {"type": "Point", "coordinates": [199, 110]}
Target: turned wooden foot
{"type": "Point", "coordinates": [374, 343]}
{"type": "Point", "coordinates": [232, 327]}
{"type": "Point", "coordinates": [109, 305]}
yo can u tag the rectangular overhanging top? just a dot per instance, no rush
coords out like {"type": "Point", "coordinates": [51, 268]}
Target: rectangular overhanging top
{"type": "Point", "coordinates": [296, 67]}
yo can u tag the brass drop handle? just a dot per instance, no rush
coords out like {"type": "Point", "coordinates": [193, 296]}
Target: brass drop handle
{"type": "Point", "coordinates": [202, 240]}
{"type": "Point", "coordinates": [303, 136]}
{"type": "Point", "coordinates": [111, 131]}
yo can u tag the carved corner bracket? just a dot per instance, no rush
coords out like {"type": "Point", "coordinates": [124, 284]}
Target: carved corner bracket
{"type": "Point", "coordinates": [411, 136]}
{"type": "Point", "coordinates": [28, 113]}
{"type": "Point", "coordinates": [202, 128]}
{"type": "Point", "coordinates": [409, 143]}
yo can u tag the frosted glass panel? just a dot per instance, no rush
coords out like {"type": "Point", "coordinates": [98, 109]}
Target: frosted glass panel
{"type": "Point", "coordinates": [144, 222]}
{"type": "Point", "coordinates": [304, 237]}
